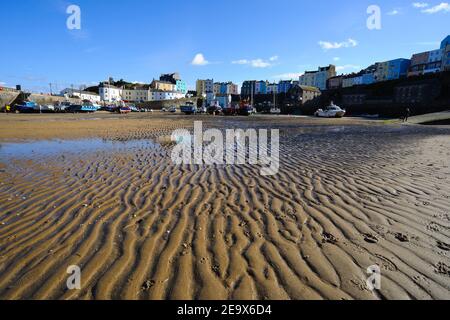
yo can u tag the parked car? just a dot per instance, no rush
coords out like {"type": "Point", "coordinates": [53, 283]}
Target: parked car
{"type": "Point", "coordinates": [173, 109]}
{"type": "Point", "coordinates": [331, 111]}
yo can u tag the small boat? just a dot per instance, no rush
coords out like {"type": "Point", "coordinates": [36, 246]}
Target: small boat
{"type": "Point", "coordinates": [79, 108]}
{"type": "Point", "coordinates": [189, 108]}
{"type": "Point", "coordinates": [133, 108]}
{"type": "Point", "coordinates": [214, 109]}
{"type": "Point", "coordinates": [48, 108]}
{"type": "Point", "coordinates": [275, 110]}
{"type": "Point", "coordinates": [124, 110]}
{"type": "Point", "coordinates": [247, 110]}
{"type": "Point", "coordinates": [229, 111]}
{"type": "Point", "coordinates": [62, 107]}
{"type": "Point", "coordinates": [28, 107]}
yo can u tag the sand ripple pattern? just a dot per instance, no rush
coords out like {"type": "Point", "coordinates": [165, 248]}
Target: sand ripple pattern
{"type": "Point", "coordinates": [141, 228]}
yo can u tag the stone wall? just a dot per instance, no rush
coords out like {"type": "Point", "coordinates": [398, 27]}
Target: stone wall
{"type": "Point", "coordinates": [47, 99]}
{"type": "Point", "coordinates": [7, 97]}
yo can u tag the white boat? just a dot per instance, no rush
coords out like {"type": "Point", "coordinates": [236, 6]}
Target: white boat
{"type": "Point", "coordinates": [275, 110]}
{"type": "Point", "coordinates": [332, 111]}
{"type": "Point", "coordinates": [47, 108]}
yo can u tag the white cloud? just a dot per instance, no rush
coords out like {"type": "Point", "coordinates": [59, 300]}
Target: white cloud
{"type": "Point", "coordinates": [2, 83]}
{"type": "Point", "coordinates": [347, 67]}
{"type": "Point", "coordinates": [444, 6]}
{"type": "Point", "coordinates": [289, 76]}
{"type": "Point", "coordinates": [393, 12]}
{"type": "Point", "coordinates": [260, 63]}
{"type": "Point", "coordinates": [337, 45]}
{"type": "Point", "coordinates": [257, 63]}
{"type": "Point", "coordinates": [242, 61]}
{"type": "Point", "coordinates": [420, 4]}
{"type": "Point", "coordinates": [336, 59]}
{"type": "Point", "coordinates": [199, 60]}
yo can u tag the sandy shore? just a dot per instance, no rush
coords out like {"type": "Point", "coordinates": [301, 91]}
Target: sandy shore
{"type": "Point", "coordinates": [350, 194]}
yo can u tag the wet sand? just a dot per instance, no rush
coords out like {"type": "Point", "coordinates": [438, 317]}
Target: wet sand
{"type": "Point", "coordinates": [350, 194]}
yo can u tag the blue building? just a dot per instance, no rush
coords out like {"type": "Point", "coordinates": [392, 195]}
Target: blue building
{"type": "Point", "coordinates": [445, 42]}
{"type": "Point", "coordinates": [181, 86]}
{"type": "Point", "coordinates": [398, 68]}
{"type": "Point", "coordinates": [368, 78]}
{"type": "Point", "coordinates": [223, 88]}
{"type": "Point", "coordinates": [284, 86]}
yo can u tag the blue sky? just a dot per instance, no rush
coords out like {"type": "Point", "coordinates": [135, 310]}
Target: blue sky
{"type": "Point", "coordinates": [231, 40]}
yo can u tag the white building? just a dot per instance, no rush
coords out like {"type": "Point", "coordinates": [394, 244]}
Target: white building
{"type": "Point", "coordinates": [83, 95]}
{"type": "Point", "coordinates": [158, 95]}
{"type": "Point", "coordinates": [109, 93]}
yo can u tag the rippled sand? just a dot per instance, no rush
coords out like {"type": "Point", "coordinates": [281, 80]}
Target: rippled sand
{"type": "Point", "coordinates": [350, 194]}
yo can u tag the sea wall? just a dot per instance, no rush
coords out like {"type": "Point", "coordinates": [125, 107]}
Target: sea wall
{"type": "Point", "coordinates": [47, 99]}
{"type": "Point", "coordinates": [7, 98]}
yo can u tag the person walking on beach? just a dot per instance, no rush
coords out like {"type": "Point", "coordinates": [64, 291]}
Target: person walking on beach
{"type": "Point", "coordinates": [407, 114]}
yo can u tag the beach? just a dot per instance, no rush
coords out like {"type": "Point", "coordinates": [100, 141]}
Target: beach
{"type": "Point", "coordinates": [100, 191]}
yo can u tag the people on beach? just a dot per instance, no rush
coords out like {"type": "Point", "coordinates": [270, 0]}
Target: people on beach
{"type": "Point", "coordinates": [8, 109]}
{"type": "Point", "coordinates": [406, 115]}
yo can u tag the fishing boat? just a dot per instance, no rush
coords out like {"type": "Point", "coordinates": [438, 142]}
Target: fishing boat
{"type": "Point", "coordinates": [189, 108]}
{"type": "Point", "coordinates": [28, 107]}
{"type": "Point", "coordinates": [124, 109]}
{"type": "Point", "coordinates": [47, 108]}
{"type": "Point", "coordinates": [80, 108]}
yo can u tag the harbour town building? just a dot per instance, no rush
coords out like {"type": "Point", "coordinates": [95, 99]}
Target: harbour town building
{"type": "Point", "coordinates": [318, 78]}
{"type": "Point", "coordinates": [162, 85]}
{"type": "Point", "coordinates": [392, 69]}
{"type": "Point", "coordinates": [110, 93]}
{"type": "Point", "coordinates": [248, 88]}
{"type": "Point", "coordinates": [272, 88]}
{"type": "Point", "coordinates": [204, 87]}
{"type": "Point", "coordinates": [83, 95]}
{"type": "Point", "coordinates": [261, 87]}
{"type": "Point", "coordinates": [175, 79]}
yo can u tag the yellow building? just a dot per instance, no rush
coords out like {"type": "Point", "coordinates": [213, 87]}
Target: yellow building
{"type": "Point", "coordinates": [163, 85]}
